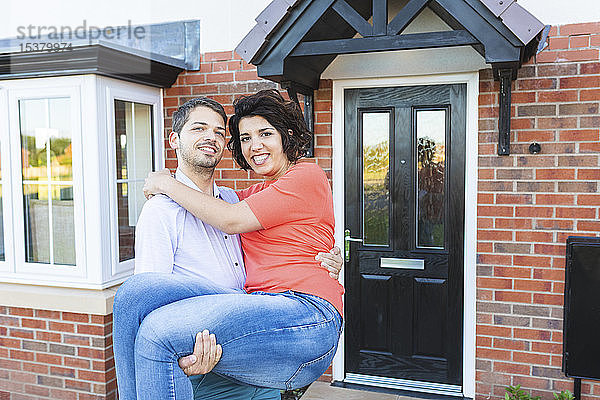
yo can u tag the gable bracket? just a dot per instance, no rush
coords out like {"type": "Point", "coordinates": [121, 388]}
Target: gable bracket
{"type": "Point", "coordinates": [293, 89]}
{"type": "Point", "coordinates": [506, 78]}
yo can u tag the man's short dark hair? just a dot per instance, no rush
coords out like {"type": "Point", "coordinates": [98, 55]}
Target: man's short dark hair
{"type": "Point", "coordinates": [180, 117]}
{"type": "Point", "coordinates": [282, 114]}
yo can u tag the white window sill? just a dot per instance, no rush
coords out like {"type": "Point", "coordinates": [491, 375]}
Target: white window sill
{"type": "Point", "coordinates": [87, 301]}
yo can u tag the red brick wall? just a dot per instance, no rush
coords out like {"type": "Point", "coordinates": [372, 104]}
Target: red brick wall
{"type": "Point", "coordinates": [529, 204]}
{"type": "Point", "coordinates": [55, 355]}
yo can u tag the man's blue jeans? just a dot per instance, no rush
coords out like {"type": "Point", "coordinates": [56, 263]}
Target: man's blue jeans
{"type": "Point", "coordinates": [284, 340]}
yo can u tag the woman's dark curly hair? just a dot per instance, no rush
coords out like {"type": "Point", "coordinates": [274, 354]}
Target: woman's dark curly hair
{"type": "Point", "coordinates": [283, 114]}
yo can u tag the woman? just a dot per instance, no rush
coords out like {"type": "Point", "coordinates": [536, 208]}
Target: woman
{"type": "Point", "coordinates": [283, 333]}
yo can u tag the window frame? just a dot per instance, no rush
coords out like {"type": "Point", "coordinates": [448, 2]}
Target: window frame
{"type": "Point", "coordinates": [6, 266]}
{"type": "Point", "coordinates": [116, 90]}
{"type": "Point", "coordinates": [41, 270]}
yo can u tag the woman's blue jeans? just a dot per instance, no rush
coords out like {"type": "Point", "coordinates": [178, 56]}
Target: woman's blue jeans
{"type": "Point", "coordinates": [284, 340]}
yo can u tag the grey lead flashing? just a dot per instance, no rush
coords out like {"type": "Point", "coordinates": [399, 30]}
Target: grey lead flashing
{"type": "Point", "coordinates": [518, 20]}
{"type": "Point", "coordinates": [192, 45]}
{"type": "Point", "coordinates": [173, 43]}
{"type": "Point", "coordinates": [544, 39]}
{"type": "Point", "coordinates": [178, 41]}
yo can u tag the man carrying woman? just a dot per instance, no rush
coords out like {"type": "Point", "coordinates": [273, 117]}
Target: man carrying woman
{"type": "Point", "coordinates": [283, 333]}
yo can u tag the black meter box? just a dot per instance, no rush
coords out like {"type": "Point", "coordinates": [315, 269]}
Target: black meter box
{"type": "Point", "coordinates": [581, 328]}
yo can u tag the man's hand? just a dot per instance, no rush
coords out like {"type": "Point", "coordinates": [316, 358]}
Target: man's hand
{"type": "Point", "coordinates": [207, 354]}
{"type": "Point", "coordinates": [331, 261]}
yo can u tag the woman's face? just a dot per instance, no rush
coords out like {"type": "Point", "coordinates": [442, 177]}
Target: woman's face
{"type": "Point", "coordinates": [262, 148]}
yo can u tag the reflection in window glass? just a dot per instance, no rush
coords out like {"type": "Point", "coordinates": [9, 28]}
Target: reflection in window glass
{"type": "Point", "coordinates": [62, 226]}
{"type": "Point", "coordinates": [376, 166]}
{"type": "Point", "coordinates": [47, 180]}
{"type": "Point", "coordinates": [60, 143]}
{"type": "Point", "coordinates": [134, 159]}
{"type": "Point", "coordinates": [431, 167]}
{"type": "Point", "coordinates": [37, 234]}
{"type": "Point", "coordinates": [34, 132]}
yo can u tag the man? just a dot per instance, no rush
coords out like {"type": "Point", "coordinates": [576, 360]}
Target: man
{"type": "Point", "coordinates": [170, 239]}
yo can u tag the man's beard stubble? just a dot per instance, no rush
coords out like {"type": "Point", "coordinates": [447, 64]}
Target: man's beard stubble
{"type": "Point", "coordinates": [200, 164]}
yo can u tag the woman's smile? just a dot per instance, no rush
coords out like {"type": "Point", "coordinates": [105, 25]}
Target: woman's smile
{"type": "Point", "coordinates": [260, 159]}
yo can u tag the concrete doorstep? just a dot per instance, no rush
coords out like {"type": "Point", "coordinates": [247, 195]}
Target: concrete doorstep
{"type": "Point", "coordinates": [324, 391]}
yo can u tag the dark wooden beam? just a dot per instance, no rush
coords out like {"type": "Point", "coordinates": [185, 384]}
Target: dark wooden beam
{"type": "Point", "coordinates": [426, 40]}
{"type": "Point", "coordinates": [405, 16]}
{"type": "Point", "coordinates": [297, 88]}
{"type": "Point", "coordinates": [505, 76]}
{"type": "Point", "coordinates": [309, 118]}
{"type": "Point", "coordinates": [293, 89]}
{"type": "Point", "coordinates": [292, 92]}
{"type": "Point", "coordinates": [379, 17]}
{"type": "Point", "coordinates": [352, 17]}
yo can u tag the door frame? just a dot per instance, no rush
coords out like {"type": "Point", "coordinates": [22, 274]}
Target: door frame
{"type": "Point", "coordinates": [471, 79]}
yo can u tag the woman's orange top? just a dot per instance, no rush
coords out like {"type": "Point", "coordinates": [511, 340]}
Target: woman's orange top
{"type": "Point", "coordinates": [296, 212]}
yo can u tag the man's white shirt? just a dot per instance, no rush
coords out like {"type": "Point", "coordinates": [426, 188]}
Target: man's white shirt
{"type": "Point", "coordinates": [170, 239]}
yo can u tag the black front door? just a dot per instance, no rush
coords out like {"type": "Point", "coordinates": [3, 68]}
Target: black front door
{"type": "Point", "coordinates": [404, 207]}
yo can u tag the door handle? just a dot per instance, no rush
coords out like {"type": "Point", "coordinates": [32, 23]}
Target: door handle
{"type": "Point", "coordinates": [347, 240]}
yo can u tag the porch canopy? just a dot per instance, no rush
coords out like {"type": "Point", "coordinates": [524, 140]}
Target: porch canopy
{"type": "Point", "coordinates": [294, 41]}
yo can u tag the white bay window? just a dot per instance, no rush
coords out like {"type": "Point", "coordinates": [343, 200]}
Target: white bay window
{"type": "Point", "coordinates": [74, 155]}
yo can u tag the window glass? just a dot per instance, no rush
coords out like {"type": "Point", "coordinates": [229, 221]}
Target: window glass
{"type": "Point", "coordinates": [431, 169]}
{"type": "Point", "coordinates": [45, 127]}
{"type": "Point", "coordinates": [376, 167]}
{"type": "Point", "coordinates": [134, 159]}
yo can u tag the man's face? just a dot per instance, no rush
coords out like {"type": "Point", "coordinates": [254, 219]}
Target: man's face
{"type": "Point", "coordinates": [202, 139]}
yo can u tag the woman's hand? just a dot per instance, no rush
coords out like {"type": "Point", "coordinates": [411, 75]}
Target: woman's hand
{"type": "Point", "coordinates": [157, 182]}
{"type": "Point", "coordinates": [331, 261]}
{"type": "Point", "coordinates": [207, 354]}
